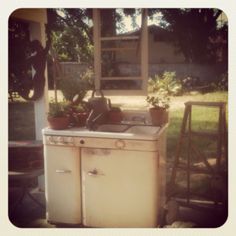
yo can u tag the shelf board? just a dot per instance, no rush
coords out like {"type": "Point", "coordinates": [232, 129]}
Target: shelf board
{"type": "Point", "coordinates": [197, 169]}
{"type": "Point", "coordinates": [206, 104]}
{"type": "Point", "coordinates": [118, 49]}
{"type": "Point", "coordinates": [119, 38]}
{"type": "Point", "coordinates": [122, 78]}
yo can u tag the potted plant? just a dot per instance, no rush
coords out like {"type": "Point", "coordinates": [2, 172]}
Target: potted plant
{"type": "Point", "coordinates": [74, 88]}
{"type": "Point", "coordinates": [159, 110]}
{"type": "Point", "coordinates": [57, 116]}
{"type": "Point", "coordinates": [115, 115]}
{"type": "Point", "coordinates": [78, 114]}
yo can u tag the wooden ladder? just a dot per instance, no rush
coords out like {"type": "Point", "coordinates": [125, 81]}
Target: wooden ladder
{"type": "Point", "coordinates": [187, 134]}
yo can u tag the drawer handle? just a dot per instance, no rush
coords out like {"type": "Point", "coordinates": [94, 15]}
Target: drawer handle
{"type": "Point", "coordinates": [82, 141]}
{"type": "Point", "coordinates": [94, 172]}
{"type": "Point", "coordinates": [63, 171]}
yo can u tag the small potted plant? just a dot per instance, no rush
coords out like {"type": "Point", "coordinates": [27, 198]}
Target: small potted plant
{"type": "Point", "coordinates": [74, 89]}
{"type": "Point", "coordinates": [78, 114]}
{"type": "Point", "coordinates": [159, 110]}
{"type": "Point", "coordinates": [115, 115]}
{"type": "Point", "coordinates": [57, 116]}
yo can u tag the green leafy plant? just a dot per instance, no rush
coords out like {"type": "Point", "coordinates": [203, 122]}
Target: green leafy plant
{"type": "Point", "coordinates": [159, 101]}
{"type": "Point", "coordinates": [76, 84]}
{"type": "Point", "coordinates": [222, 83]}
{"type": "Point", "coordinates": [152, 84]}
{"type": "Point", "coordinates": [167, 83]}
{"type": "Point", "coordinates": [57, 109]}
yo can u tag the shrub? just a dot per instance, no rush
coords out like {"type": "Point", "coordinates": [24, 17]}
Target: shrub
{"type": "Point", "coordinates": [190, 83]}
{"type": "Point", "coordinates": [76, 84]}
{"type": "Point", "coordinates": [222, 84]}
{"type": "Point", "coordinates": [167, 83]}
{"type": "Point", "coordinates": [194, 83]}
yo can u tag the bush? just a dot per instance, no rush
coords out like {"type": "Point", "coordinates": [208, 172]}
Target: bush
{"type": "Point", "coordinates": [219, 83]}
{"type": "Point", "coordinates": [222, 84]}
{"type": "Point", "coordinates": [190, 83]}
{"type": "Point", "coordinates": [76, 84]}
{"type": "Point", "coordinates": [167, 83]}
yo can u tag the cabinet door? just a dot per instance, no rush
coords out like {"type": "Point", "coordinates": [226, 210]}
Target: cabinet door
{"type": "Point", "coordinates": [119, 188]}
{"type": "Point", "coordinates": [63, 188]}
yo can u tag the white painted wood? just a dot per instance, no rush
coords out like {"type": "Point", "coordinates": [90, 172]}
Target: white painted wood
{"type": "Point", "coordinates": [97, 46]}
{"type": "Point", "coordinates": [128, 92]}
{"type": "Point", "coordinates": [97, 55]}
{"type": "Point", "coordinates": [37, 31]}
{"type": "Point", "coordinates": [41, 107]}
{"type": "Point", "coordinates": [122, 78]}
{"type": "Point", "coordinates": [119, 49]}
{"type": "Point", "coordinates": [119, 38]}
{"type": "Point", "coordinates": [144, 50]}
{"type": "Point", "coordinates": [37, 19]}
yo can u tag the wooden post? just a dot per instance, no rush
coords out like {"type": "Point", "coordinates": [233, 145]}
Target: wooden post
{"type": "Point", "coordinates": [219, 143]}
{"type": "Point", "coordinates": [144, 50]}
{"type": "Point", "coordinates": [37, 31]}
{"type": "Point", "coordinates": [97, 46]}
{"type": "Point", "coordinates": [179, 144]}
{"type": "Point", "coordinates": [189, 153]}
{"type": "Point", "coordinates": [37, 19]}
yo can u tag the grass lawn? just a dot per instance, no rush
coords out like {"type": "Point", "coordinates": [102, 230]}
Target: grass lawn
{"type": "Point", "coordinates": [205, 119]}
{"type": "Point", "coordinates": [21, 117]}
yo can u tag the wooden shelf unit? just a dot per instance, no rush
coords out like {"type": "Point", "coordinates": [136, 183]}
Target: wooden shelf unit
{"type": "Point", "coordinates": [98, 39]}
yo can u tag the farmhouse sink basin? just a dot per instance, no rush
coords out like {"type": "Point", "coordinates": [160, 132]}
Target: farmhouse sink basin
{"type": "Point", "coordinates": [117, 131]}
{"type": "Point", "coordinates": [112, 128]}
{"type": "Point", "coordinates": [143, 129]}
{"type": "Point", "coordinates": [131, 129]}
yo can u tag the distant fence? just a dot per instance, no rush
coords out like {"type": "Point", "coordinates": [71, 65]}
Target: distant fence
{"type": "Point", "coordinates": [72, 68]}
{"type": "Point", "coordinates": [201, 71]}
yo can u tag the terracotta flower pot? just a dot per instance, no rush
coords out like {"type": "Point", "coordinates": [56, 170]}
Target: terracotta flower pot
{"type": "Point", "coordinates": [81, 118]}
{"type": "Point", "coordinates": [115, 116]}
{"type": "Point", "coordinates": [159, 116]}
{"type": "Point", "coordinates": [58, 122]}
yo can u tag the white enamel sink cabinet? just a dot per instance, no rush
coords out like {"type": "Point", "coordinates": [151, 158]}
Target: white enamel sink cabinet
{"type": "Point", "coordinates": [105, 179]}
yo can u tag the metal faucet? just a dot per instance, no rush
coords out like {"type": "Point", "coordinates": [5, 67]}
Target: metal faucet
{"type": "Point", "coordinates": [94, 119]}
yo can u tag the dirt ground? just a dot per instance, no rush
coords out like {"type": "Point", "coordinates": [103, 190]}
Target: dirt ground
{"type": "Point", "coordinates": [30, 215]}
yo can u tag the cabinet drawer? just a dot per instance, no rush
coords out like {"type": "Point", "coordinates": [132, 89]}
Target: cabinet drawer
{"type": "Point", "coordinates": [121, 144]}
